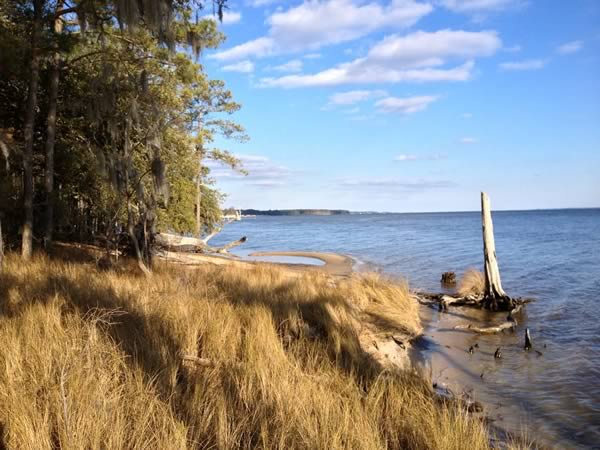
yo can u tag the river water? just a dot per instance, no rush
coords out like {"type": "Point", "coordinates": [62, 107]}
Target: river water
{"type": "Point", "coordinates": [550, 255]}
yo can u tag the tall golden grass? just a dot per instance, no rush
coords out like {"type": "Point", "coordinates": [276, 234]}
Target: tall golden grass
{"type": "Point", "coordinates": [93, 359]}
{"type": "Point", "coordinates": [472, 283]}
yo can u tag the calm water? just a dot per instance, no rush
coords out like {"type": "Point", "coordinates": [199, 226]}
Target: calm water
{"type": "Point", "coordinates": [553, 256]}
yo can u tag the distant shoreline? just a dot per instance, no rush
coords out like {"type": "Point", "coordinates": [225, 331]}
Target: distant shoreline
{"type": "Point", "coordinates": [337, 212]}
{"type": "Point", "coordinates": [294, 212]}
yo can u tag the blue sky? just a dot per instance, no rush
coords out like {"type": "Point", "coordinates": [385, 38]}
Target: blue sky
{"type": "Point", "coordinates": [413, 105]}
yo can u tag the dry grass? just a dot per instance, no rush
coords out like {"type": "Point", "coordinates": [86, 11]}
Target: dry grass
{"type": "Point", "coordinates": [92, 359]}
{"type": "Point", "coordinates": [472, 283]}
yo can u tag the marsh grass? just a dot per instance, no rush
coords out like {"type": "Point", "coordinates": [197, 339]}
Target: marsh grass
{"type": "Point", "coordinates": [93, 359]}
{"type": "Point", "coordinates": [471, 283]}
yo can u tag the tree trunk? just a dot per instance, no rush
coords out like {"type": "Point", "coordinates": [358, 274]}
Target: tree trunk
{"type": "Point", "coordinates": [51, 129]}
{"type": "Point", "coordinates": [134, 239]}
{"type": "Point", "coordinates": [199, 199]}
{"type": "Point", "coordinates": [1, 247]}
{"type": "Point", "coordinates": [28, 129]}
{"type": "Point", "coordinates": [494, 295]}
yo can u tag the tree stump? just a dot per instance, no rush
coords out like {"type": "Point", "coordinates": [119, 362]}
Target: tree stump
{"type": "Point", "coordinates": [494, 296]}
{"type": "Point", "coordinates": [448, 278]}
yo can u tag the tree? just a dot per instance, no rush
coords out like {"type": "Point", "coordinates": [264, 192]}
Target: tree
{"type": "Point", "coordinates": [125, 158]}
{"type": "Point", "coordinates": [34, 76]}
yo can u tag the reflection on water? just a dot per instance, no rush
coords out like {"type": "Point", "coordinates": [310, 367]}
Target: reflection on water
{"type": "Point", "coordinates": [281, 259]}
{"type": "Point", "coordinates": [553, 256]}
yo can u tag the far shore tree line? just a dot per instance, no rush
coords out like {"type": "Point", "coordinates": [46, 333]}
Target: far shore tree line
{"type": "Point", "coordinates": [106, 117]}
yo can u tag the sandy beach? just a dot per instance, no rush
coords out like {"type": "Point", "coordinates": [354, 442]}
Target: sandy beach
{"type": "Point", "coordinates": [334, 264]}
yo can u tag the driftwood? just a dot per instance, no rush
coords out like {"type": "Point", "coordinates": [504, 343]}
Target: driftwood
{"type": "Point", "coordinates": [487, 330]}
{"type": "Point", "coordinates": [443, 301]}
{"type": "Point", "coordinates": [197, 361]}
{"type": "Point", "coordinates": [528, 344]}
{"type": "Point", "coordinates": [188, 244]}
{"type": "Point", "coordinates": [231, 245]}
{"type": "Point", "coordinates": [493, 298]}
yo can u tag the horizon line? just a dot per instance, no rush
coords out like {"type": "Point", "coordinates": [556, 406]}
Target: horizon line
{"type": "Point", "coordinates": [420, 212]}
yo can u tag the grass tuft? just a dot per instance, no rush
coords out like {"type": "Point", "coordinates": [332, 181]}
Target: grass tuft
{"type": "Point", "coordinates": [472, 283]}
{"type": "Point", "coordinates": [93, 359]}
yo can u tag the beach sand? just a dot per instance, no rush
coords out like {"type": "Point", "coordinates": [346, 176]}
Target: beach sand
{"type": "Point", "coordinates": [335, 265]}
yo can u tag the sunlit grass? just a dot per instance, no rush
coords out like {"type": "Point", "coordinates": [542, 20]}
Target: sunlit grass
{"type": "Point", "coordinates": [471, 283]}
{"type": "Point", "coordinates": [93, 359]}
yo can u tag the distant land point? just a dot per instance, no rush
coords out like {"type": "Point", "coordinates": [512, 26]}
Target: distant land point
{"type": "Point", "coordinates": [294, 212]}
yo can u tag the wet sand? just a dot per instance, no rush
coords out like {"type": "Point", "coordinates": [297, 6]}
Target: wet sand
{"type": "Point", "coordinates": [443, 352]}
{"type": "Point", "coordinates": [334, 264]}
{"type": "Point", "coordinates": [337, 265]}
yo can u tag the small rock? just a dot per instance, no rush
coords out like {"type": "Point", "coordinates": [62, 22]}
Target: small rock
{"type": "Point", "coordinates": [498, 353]}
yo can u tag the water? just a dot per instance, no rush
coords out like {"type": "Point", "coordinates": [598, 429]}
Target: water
{"type": "Point", "coordinates": [553, 256]}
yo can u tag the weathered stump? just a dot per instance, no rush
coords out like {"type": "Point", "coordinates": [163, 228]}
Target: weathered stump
{"type": "Point", "coordinates": [448, 278]}
{"type": "Point", "coordinates": [494, 297]}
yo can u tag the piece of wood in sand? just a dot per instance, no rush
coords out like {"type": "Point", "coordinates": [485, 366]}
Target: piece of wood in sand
{"type": "Point", "coordinates": [487, 330]}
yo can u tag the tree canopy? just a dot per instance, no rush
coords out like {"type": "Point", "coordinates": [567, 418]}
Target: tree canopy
{"type": "Point", "coordinates": [121, 114]}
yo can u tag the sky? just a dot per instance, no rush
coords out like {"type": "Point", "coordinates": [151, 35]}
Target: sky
{"type": "Point", "coordinates": [412, 105]}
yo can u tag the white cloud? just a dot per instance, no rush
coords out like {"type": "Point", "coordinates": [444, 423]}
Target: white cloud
{"type": "Point", "coordinates": [352, 111]}
{"type": "Point", "coordinates": [468, 140]}
{"type": "Point", "coordinates": [341, 75]}
{"type": "Point", "coordinates": [570, 47]}
{"type": "Point", "coordinates": [479, 6]}
{"type": "Point", "coordinates": [406, 105]}
{"type": "Point", "coordinates": [258, 47]}
{"type": "Point", "coordinates": [312, 56]}
{"type": "Point", "coordinates": [294, 65]}
{"type": "Point", "coordinates": [410, 158]}
{"type": "Point", "coordinates": [466, 115]}
{"type": "Point", "coordinates": [399, 184]}
{"type": "Point", "coordinates": [241, 67]}
{"type": "Point", "coordinates": [314, 24]}
{"type": "Point", "coordinates": [317, 23]}
{"type": "Point", "coordinates": [529, 64]}
{"type": "Point", "coordinates": [416, 57]}
{"type": "Point", "coordinates": [261, 171]}
{"type": "Point", "coordinates": [352, 97]}
{"type": "Point", "coordinates": [261, 3]}
{"type": "Point", "coordinates": [229, 17]}
{"type": "Point", "coordinates": [405, 158]}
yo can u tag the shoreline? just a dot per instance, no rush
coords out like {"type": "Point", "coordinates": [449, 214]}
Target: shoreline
{"type": "Point", "coordinates": [335, 264]}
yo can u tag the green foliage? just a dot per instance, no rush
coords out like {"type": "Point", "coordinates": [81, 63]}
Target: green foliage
{"type": "Point", "coordinates": [137, 115]}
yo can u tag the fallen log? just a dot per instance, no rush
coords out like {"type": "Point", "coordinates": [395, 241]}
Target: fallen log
{"type": "Point", "coordinates": [187, 244]}
{"type": "Point", "coordinates": [231, 245]}
{"type": "Point", "coordinates": [487, 330]}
